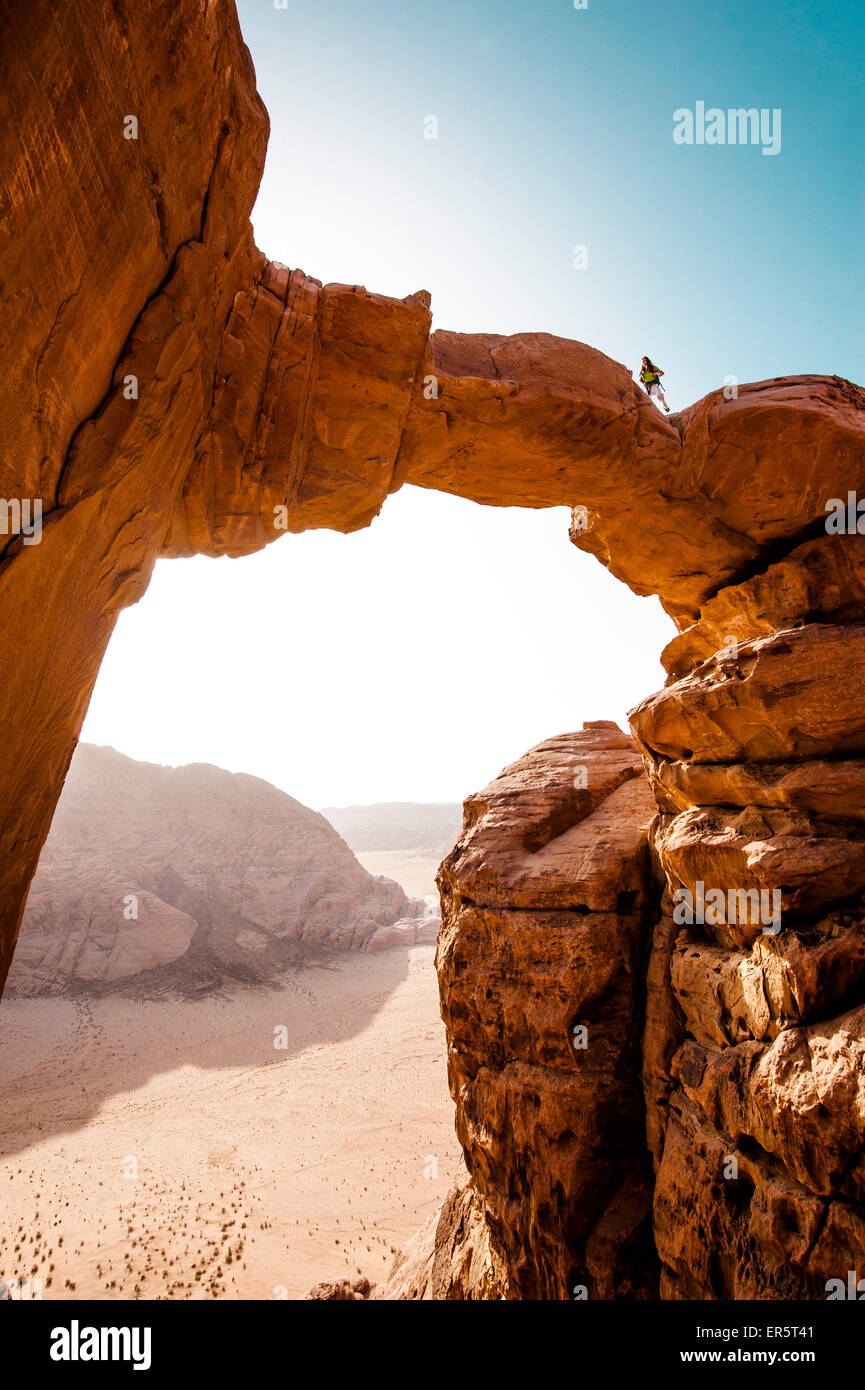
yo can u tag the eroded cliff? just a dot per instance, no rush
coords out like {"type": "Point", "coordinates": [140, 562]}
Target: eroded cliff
{"type": "Point", "coordinates": [168, 389]}
{"type": "Point", "coordinates": [753, 1054]}
{"type": "Point", "coordinates": [547, 908]}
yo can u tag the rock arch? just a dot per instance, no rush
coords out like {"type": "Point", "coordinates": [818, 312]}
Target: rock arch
{"type": "Point", "coordinates": [169, 390]}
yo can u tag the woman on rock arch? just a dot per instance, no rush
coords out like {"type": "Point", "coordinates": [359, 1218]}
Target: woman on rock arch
{"type": "Point", "coordinates": [650, 376]}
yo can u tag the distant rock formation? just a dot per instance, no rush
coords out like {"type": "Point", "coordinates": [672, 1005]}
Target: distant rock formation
{"type": "Point", "coordinates": [187, 876]}
{"type": "Point", "coordinates": [423, 828]}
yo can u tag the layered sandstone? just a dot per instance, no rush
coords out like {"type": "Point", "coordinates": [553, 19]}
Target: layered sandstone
{"type": "Point", "coordinates": [541, 958]}
{"type": "Point", "coordinates": [171, 390]}
{"type": "Point", "coordinates": [753, 1049]}
{"type": "Point", "coordinates": [119, 265]}
{"type": "Point", "coordinates": [186, 877]}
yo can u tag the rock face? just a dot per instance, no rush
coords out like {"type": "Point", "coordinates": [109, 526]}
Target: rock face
{"type": "Point", "coordinates": [188, 876]}
{"type": "Point", "coordinates": [170, 390]}
{"type": "Point", "coordinates": [546, 899]}
{"type": "Point", "coordinates": [451, 1258]}
{"type": "Point", "coordinates": [121, 260]}
{"type": "Point", "coordinates": [753, 1060]}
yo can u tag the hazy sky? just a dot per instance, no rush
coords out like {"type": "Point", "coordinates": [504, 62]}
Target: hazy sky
{"type": "Point", "coordinates": [413, 660]}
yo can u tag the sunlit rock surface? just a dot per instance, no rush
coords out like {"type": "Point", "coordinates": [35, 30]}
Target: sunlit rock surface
{"type": "Point", "coordinates": [170, 390]}
{"type": "Point", "coordinates": [546, 900]}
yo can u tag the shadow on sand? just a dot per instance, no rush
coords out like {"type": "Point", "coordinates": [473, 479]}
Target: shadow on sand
{"type": "Point", "coordinates": [62, 1059]}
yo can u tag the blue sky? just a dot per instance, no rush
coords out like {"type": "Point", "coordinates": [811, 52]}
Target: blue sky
{"type": "Point", "coordinates": [413, 660]}
{"type": "Point", "coordinates": [555, 129]}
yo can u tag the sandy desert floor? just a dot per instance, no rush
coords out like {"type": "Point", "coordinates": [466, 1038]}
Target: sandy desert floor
{"type": "Point", "coordinates": [415, 874]}
{"type": "Point", "coordinates": [170, 1150]}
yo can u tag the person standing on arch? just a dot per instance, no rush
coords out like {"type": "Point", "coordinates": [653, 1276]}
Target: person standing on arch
{"type": "Point", "coordinates": [650, 376]}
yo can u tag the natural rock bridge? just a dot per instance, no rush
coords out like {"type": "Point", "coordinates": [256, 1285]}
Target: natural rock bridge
{"type": "Point", "coordinates": [166, 389]}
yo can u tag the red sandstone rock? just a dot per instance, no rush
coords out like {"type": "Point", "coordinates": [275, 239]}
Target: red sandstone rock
{"type": "Point", "coordinates": [268, 402]}
{"type": "Point", "coordinates": [808, 862]}
{"type": "Point", "coordinates": [550, 1120]}
{"type": "Point", "coordinates": [731, 451]}
{"type": "Point", "coordinates": [780, 698]}
{"type": "Point", "coordinates": [663, 1035]}
{"type": "Point", "coordinates": [825, 576]}
{"type": "Point", "coordinates": [801, 1099]}
{"type": "Point", "coordinates": [752, 1067]}
{"type": "Point", "coordinates": [171, 390]}
{"type": "Point", "coordinates": [120, 259]}
{"type": "Point", "coordinates": [312, 387]}
{"type": "Point", "coordinates": [727, 997]}
{"type": "Point", "coordinates": [759, 1235]}
{"type": "Point", "coordinates": [451, 1258]}
{"type": "Point", "coordinates": [833, 788]}
{"type": "Point", "coordinates": [534, 839]}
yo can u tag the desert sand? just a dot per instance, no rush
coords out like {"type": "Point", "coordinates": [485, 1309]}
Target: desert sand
{"type": "Point", "coordinates": [167, 1149]}
{"type": "Point", "coordinates": [415, 873]}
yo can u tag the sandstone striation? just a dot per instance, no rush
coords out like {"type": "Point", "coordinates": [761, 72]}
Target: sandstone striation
{"type": "Point", "coordinates": [182, 878]}
{"type": "Point", "coordinates": [541, 956]}
{"type": "Point", "coordinates": [170, 390]}
{"type": "Point", "coordinates": [752, 1052]}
